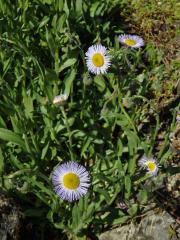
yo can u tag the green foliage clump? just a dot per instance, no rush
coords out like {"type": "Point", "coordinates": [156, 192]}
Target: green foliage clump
{"type": "Point", "coordinates": [105, 123]}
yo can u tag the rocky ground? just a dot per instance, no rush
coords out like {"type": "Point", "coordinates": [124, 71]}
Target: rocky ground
{"type": "Point", "coordinates": [161, 223]}
{"type": "Point", "coordinates": [153, 226]}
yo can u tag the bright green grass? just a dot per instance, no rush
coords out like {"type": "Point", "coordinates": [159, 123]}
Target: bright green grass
{"type": "Point", "coordinates": [106, 126]}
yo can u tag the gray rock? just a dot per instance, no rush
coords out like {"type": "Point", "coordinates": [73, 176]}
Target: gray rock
{"type": "Point", "coordinates": [154, 226]}
{"type": "Point", "coordinates": [10, 217]}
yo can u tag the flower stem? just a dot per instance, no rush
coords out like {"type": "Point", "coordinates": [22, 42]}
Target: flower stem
{"type": "Point", "coordinates": [69, 132]}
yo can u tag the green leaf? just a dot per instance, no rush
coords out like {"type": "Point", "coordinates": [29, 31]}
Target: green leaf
{"type": "Point", "coordinates": [60, 24]}
{"type": "Point", "coordinates": [68, 81]}
{"type": "Point", "coordinates": [43, 22]}
{"type": "Point", "coordinates": [79, 11]}
{"type": "Point", "coordinates": [94, 8]}
{"type": "Point", "coordinates": [104, 193]}
{"type": "Point", "coordinates": [28, 104]}
{"type": "Point", "coordinates": [143, 196]}
{"type": "Point", "coordinates": [133, 141]}
{"type": "Point", "coordinates": [100, 83]}
{"type": "Point", "coordinates": [10, 136]}
{"type": "Point", "coordinates": [41, 187]}
{"type": "Point", "coordinates": [67, 63]}
{"type": "Point", "coordinates": [44, 151]}
{"type": "Point", "coordinates": [51, 43]}
{"type": "Point", "coordinates": [16, 124]}
{"type": "Point", "coordinates": [66, 8]}
{"type": "Point", "coordinates": [90, 211]}
{"type": "Point", "coordinates": [132, 165]}
{"type": "Point", "coordinates": [133, 210]}
{"type": "Point", "coordinates": [86, 144]}
{"type": "Point", "coordinates": [1, 162]}
{"type": "Point", "coordinates": [120, 220]}
{"type": "Point", "coordinates": [51, 76]}
{"type": "Point", "coordinates": [2, 123]}
{"type": "Point", "coordinates": [119, 148]}
{"type": "Point", "coordinates": [76, 219]}
{"type": "Point", "coordinates": [59, 5]}
{"type": "Point", "coordinates": [127, 182]}
{"type": "Point", "coordinates": [98, 141]}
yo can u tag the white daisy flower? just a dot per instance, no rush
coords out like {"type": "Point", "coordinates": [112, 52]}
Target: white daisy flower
{"type": "Point", "coordinates": [133, 41]}
{"type": "Point", "coordinates": [70, 181]}
{"type": "Point", "coordinates": [60, 99]}
{"type": "Point", "coordinates": [96, 59]}
{"type": "Point", "coordinates": [150, 164]}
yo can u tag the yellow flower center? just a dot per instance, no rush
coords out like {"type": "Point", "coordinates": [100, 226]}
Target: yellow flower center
{"type": "Point", "coordinates": [151, 166]}
{"type": "Point", "coordinates": [130, 42]}
{"type": "Point", "coordinates": [98, 60]}
{"type": "Point", "coordinates": [71, 181]}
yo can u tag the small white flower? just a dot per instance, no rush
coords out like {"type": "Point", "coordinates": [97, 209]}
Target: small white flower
{"type": "Point", "coordinates": [150, 164]}
{"type": "Point", "coordinates": [60, 99]}
{"type": "Point", "coordinates": [96, 59]}
{"type": "Point", "coordinates": [70, 181]}
{"type": "Point", "coordinates": [133, 41]}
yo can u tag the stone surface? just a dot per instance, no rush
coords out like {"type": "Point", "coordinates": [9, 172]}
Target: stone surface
{"type": "Point", "coordinates": [9, 218]}
{"type": "Point", "coordinates": [175, 139]}
{"type": "Point", "coordinates": [173, 185]}
{"type": "Point", "coordinates": [154, 226]}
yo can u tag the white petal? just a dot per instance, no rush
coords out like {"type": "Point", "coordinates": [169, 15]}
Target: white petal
{"type": "Point", "coordinates": [89, 55]}
{"type": "Point", "coordinates": [62, 191]}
